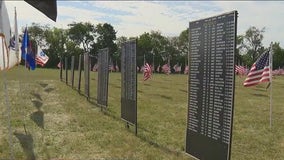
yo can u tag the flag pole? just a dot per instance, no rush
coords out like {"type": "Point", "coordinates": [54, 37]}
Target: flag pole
{"type": "Point", "coordinates": [270, 74]}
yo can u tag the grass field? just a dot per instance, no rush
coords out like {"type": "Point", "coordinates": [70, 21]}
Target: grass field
{"type": "Point", "coordinates": [51, 120]}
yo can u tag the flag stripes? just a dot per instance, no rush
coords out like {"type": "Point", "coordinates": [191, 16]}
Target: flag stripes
{"type": "Point", "coordinates": [260, 71]}
{"type": "Point", "coordinates": [241, 70]}
{"type": "Point", "coordinates": [166, 69]}
{"type": "Point", "coordinates": [41, 57]}
{"type": "Point", "coordinates": [147, 72]}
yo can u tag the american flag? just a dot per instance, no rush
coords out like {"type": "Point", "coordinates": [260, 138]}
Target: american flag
{"type": "Point", "coordinates": [177, 68]}
{"type": "Point", "coordinates": [41, 57]}
{"type": "Point", "coordinates": [95, 68]}
{"type": "Point", "coordinates": [186, 69]}
{"type": "Point", "coordinates": [59, 65]}
{"type": "Point", "coordinates": [166, 69]}
{"type": "Point", "coordinates": [241, 70]}
{"type": "Point", "coordinates": [111, 68]}
{"type": "Point", "coordinates": [147, 71]}
{"type": "Point", "coordinates": [259, 72]}
{"type": "Point", "coordinates": [116, 68]}
{"type": "Point", "coordinates": [278, 72]}
{"type": "Point", "coordinates": [158, 68]}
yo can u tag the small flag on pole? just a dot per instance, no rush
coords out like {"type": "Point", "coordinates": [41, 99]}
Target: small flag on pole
{"type": "Point", "coordinates": [259, 72]}
{"type": "Point", "coordinates": [41, 57]}
{"type": "Point", "coordinates": [240, 70]}
{"type": "Point", "coordinates": [158, 68]}
{"type": "Point", "coordinates": [116, 68]}
{"type": "Point", "coordinates": [147, 71]}
{"type": "Point", "coordinates": [59, 65]}
{"type": "Point", "coordinates": [27, 53]}
{"type": "Point", "coordinates": [186, 69]}
{"type": "Point", "coordinates": [166, 69]}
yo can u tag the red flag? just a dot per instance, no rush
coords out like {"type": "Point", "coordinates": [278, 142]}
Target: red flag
{"type": "Point", "coordinates": [117, 68]}
{"type": "Point", "coordinates": [259, 72]}
{"type": "Point", "coordinates": [177, 68]}
{"type": "Point", "coordinates": [166, 69]}
{"type": "Point", "coordinates": [95, 68]}
{"type": "Point", "coordinates": [59, 65]}
{"type": "Point", "coordinates": [141, 68]}
{"type": "Point", "coordinates": [241, 70]}
{"type": "Point", "coordinates": [158, 68]}
{"type": "Point", "coordinates": [186, 69]}
{"type": "Point", "coordinates": [41, 57]}
{"type": "Point", "coordinates": [147, 71]}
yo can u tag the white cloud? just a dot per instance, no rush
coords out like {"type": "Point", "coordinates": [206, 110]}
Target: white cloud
{"type": "Point", "coordinates": [260, 14]}
{"type": "Point", "coordinates": [132, 18]}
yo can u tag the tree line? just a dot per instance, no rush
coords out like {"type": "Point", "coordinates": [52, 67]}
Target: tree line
{"type": "Point", "coordinates": [152, 47]}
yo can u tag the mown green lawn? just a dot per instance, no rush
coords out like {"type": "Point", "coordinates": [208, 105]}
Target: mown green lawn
{"type": "Point", "coordinates": [51, 120]}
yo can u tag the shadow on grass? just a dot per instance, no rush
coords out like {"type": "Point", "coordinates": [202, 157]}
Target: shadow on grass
{"type": "Point", "coordinates": [43, 85]}
{"type": "Point", "coordinates": [115, 86]}
{"type": "Point", "coordinates": [166, 97]}
{"type": "Point", "coordinates": [49, 90]}
{"type": "Point", "coordinates": [260, 95]}
{"type": "Point", "coordinates": [144, 138]}
{"type": "Point", "coordinates": [183, 90]}
{"type": "Point", "coordinates": [36, 95]}
{"type": "Point", "coordinates": [259, 89]}
{"type": "Point", "coordinates": [37, 104]}
{"type": "Point", "coordinates": [27, 145]}
{"type": "Point", "coordinates": [107, 112]}
{"type": "Point", "coordinates": [111, 114]}
{"type": "Point", "coordinates": [38, 118]}
{"type": "Point", "coordinates": [93, 100]}
{"type": "Point", "coordinates": [156, 145]}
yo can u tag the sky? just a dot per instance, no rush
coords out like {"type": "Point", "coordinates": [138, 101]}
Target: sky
{"type": "Point", "coordinates": [133, 18]}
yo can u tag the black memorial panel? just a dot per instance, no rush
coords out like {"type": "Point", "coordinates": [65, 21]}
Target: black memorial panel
{"type": "Point", "coordinates": [211, 86]}
{"type": "Point", "coordinates": [129, 82]}
{"type": "Point", "coordinates": [72, 70]}
{"type": "Point", "coordinates": [66, 70]}
{"type": "Point", "coordinates": [103, 76]}
{"type": "Point", "coordinates": [79, 72]}
{"type": "Point", "coordinates": [87, 74]}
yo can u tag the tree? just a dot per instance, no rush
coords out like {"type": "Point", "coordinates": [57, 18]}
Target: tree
{"type": "Point", "coordinates": [117, 54]}
{"type": "Point", "coordinates": [183, 42]}
{"type": "Point", "coordinates": [106, 36]}
{"type": "Point", "coordinates": [82, 34]}
{"type": "Point", "coordinates": [239, 60]}
{"type": "Point", "coordinates": [36, 32]}
{"type": "Point", "coordinates": [56, 45]}
{"type": "Point", "coordinates": [183, 45]}
{"type": "Point", "coordinates": [252, 42]}
{"type": "Point", "coordinates": [143, 48]}
{"type": "Point", "coordinates": [278, 56]}
{"type": "Point", "coordinates": [159, 48]}
{"type": "Point", "coordinates": [152, 46]}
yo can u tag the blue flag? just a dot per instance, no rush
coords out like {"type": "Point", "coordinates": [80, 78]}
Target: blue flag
{"type": "Point", "coordinates": [25, 44]}
{"type": "Point", "coordinates": [27, 53]}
